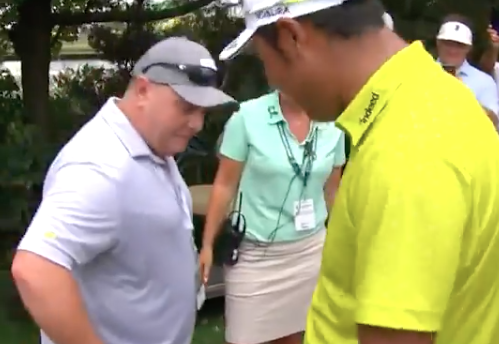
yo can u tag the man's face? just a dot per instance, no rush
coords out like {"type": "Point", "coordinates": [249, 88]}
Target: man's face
{"type": "Point", "coordinates": [171, 121]}
{"type": "Point", "coordinates": [297, 67]}
{"type": "Point", "coordinates": [452, 53]}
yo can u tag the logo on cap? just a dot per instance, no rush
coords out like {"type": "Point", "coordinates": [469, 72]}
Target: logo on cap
{"type": "Point", "coordinates": [277, 10]}
{"type": "Point", "coordinates": [233, 44]}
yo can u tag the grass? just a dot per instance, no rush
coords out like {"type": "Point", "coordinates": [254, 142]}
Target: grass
{"type": "Point", "coordinates": [78, 47]}
{"type": "Point", "coordinates": [208, 331]}
{"type": "Point", "coordinates": [210, 328]}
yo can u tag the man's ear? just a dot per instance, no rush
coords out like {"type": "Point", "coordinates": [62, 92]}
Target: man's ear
{"type": "Point", "coordinates": [290, 37]}
{"type": "Point", "coordinates": [139, 84]}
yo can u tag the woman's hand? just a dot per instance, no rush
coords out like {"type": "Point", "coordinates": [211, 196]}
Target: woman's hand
{"type": "Point", "coordinates": [205, 263]}
{"type": "Point", "coordinates": [332, 185]}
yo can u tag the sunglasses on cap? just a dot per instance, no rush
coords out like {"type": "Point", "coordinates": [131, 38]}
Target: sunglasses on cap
{"type": "Point", "coordinates": [199, 75]}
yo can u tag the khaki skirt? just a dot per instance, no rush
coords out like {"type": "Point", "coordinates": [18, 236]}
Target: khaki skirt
{"type": "Point", "coordinates": [268, 292]}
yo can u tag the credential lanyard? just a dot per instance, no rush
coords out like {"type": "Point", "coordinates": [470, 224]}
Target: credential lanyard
{"type": "Point", "coordinates": [303, 171]}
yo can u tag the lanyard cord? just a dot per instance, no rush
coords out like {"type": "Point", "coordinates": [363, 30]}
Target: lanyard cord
{"type": "Point", "coordinates": [303, 171]}
{"type": "Point", "coordinates": [309, 155]}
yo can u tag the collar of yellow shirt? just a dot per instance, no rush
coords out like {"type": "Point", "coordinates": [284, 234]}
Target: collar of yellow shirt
{"type": "Point", "coordinates": [374, 96]}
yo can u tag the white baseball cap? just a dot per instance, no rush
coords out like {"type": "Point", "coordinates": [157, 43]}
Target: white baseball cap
{"type": "Point", "coordinates": [457, 32]}
{"type": "Point", "coordinates": [258, 13]}
{"type": "Point", "coordinates": [387, 18]}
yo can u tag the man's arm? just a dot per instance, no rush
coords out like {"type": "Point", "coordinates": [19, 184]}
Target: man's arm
{"type": "Point", "coordinates": [492, 116]}
{"type": "Point", "coordinates": [76, 221]}
{"type": "Point", "coordinates": [488, 60]}
{"type": "Point", "coordinates": [488, 97]}
{"type": "Point", "coordinates": [332, 184]}
{"type": "Point", "coordinates": [334, 179]}
{"type": "Point", "coordinates": [51, 296]}
{"type": "Point", "coordinates": [409, 231]}
{"type": "Point", "coordinates": [489, 57]}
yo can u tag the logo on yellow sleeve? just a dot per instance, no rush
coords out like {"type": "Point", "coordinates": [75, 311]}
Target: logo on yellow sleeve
{"type": "Point", "coordinates": [49, 235]}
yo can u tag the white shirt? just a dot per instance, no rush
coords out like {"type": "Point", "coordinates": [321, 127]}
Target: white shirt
{"type": "Point", "coordinates": [119, 218]}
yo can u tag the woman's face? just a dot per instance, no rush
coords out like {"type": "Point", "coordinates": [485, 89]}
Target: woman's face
{"type": "Point", "coordinates": [295, 64]}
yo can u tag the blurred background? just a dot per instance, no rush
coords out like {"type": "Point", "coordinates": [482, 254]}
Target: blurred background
{"type": "Point", "coordinates": [59, 62]}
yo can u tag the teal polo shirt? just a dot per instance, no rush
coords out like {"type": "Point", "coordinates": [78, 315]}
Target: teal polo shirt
{"type": "Point", "coordinates": [268, 183]}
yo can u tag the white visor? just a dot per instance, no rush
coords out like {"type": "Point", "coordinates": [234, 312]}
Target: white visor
{"type": "Point", "coordinates": [258, 13]}
{"type": "Point", "coordinates": [456, 32]}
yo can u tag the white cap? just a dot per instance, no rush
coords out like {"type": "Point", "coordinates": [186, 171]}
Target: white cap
{"type": "Point", "coordinates": [457, 32]}
{"type": "Point", "coordinates": [258, 13]}
{"type": "Point", "coordinates": [387, 18]}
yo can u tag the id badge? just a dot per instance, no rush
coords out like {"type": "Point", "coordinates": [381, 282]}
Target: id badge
{"type": "Point", "coordinates": [304, 215]}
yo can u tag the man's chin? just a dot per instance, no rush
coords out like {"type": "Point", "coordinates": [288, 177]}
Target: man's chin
{"type": "Point", "coordinates": [450, 62]}
{"type": "Point", "coordinates": [324, 119]}
{"type": "Point", "coordinates": [178, 147]}
{"type": "Point", "coordinates": [323, 114]}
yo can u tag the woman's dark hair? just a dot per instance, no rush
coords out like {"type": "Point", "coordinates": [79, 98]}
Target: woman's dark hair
{"type": "Point", "coordinates": [350, 19]}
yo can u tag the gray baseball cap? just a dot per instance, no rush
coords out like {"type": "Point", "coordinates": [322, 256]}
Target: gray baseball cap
{"type": "Point", "coordinates": [188, 68]}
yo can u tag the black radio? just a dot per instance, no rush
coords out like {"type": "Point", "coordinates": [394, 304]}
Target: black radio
{"type": "Point", "coordinates": [232, 234]}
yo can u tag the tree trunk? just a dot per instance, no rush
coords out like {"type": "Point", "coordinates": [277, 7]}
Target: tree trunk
{"type": "Point", "coordinates": [31, 38]}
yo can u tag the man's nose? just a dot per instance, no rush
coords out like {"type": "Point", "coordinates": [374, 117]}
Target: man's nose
{"type": "Point", "coordinates": [450, 51]}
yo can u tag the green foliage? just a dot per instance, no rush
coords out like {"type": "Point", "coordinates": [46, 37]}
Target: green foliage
{"type": "Point", "coordinates": [77, 94]}
{"type": "Point", "coordinates": [20, 172]}
{"type": "Point", "coordinates": [123, 47]}
{"type": "Point", "coordinates": [88, 88]}
{"type": "Point", "coordinates": [16, 137]}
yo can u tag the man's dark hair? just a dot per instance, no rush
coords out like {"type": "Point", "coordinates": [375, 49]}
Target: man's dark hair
{"type": "Point", "coordinates": [350, 19]}
{"type": "Point", "coordinates": [455, 17]}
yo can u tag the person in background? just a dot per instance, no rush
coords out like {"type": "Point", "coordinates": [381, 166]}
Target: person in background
{"type": "Point", "coordinates": [488, 60]}
{"type": "Point", "coordinates": [109, 256]}
{"type": "Point", "coordinates": [413, 239]}
{"type": "Point", "coordinates": [287, 169]}
{"type": "Point", "coordinates": [454, 42]}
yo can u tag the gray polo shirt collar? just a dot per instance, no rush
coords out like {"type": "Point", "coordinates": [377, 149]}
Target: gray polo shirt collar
{"type": "Point", "coordinates": [127, 134]}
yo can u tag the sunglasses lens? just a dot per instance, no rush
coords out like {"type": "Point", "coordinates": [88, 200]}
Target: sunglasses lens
{"type": "Point", "coordinates": [203, 76]}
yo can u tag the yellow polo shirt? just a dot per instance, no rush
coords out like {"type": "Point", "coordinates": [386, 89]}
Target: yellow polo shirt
{"type": "Point", "coordinates": [413, 239]}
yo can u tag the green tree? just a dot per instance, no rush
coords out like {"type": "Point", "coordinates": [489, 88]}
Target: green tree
{"type": "Point", "coordinates": [36, 27]}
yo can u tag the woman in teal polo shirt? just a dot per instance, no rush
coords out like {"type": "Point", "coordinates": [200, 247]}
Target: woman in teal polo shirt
{"type": "Point", "coordinates": [287, 169]}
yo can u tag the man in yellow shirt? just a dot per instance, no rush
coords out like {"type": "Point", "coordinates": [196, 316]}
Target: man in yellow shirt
{"type": "Point", "coordinates": [412, 251]}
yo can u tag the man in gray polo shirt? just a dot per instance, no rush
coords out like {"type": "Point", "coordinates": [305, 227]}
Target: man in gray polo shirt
{"type": "Point", "coordinates": [108, 257]}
